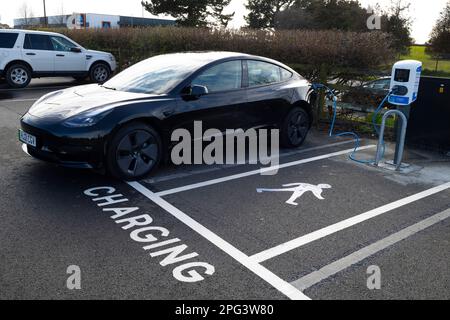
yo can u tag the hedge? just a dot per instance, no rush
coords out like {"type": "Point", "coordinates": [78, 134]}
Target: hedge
{"type": "Point", "coordinates": [309, 50]}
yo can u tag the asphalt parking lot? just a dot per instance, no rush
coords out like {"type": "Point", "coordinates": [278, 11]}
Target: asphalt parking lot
{"type": "Point", "coordinates": [224, 232]}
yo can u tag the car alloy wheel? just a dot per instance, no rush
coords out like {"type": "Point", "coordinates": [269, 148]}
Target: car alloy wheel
{"type": "Point", "coordinates": [19, 76]}
{"type": "Point", "coordinates": [101, 73]}
{"type": "Point", "coordinates": [137, 153]}
{"type": "Point", "coordinates": [294, 128]}
{"type": "Point", "coordinates": [298, 128]}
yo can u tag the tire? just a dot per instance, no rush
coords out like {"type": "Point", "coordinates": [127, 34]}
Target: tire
{"type": "Point", "coordinates": [295, 128]}
{"type": "Point", "coordinates": [99, 72]}
{"type": "Point", "coordinates": [134, 152]}
{"type": "Point", "coordinates": [18, 75]}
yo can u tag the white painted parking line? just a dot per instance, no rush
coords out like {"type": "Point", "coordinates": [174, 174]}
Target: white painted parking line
{"type": "Point", "coordinates": [258, 171]}
{"type": "Point", "coordinates": [221, 167]}
{"type": "Point", "coordinates": [360, 255]}
{"type": "Point", "coordinates": [324, 232]}
{"type": "Point", "coordinates": [284, 287]}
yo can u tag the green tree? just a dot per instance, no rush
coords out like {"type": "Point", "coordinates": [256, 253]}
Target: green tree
{"type": "Point", "coordinates": [397, 22]}
{"type": "Point", "coordinates": [192, 13]}
{"type": "Point", "coordinates": [347, 15]}
{"type": "Point", "coordinates": [262, 13]}
{"type": "Point", "coordinates": [440, 36]}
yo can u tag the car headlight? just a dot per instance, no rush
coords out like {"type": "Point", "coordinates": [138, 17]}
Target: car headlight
{"type": "Point", "coordinates": [87, 118]}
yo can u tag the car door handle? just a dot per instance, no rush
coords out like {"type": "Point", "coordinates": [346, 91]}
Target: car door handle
{"type": "Point", "coordinates": [60, 55]}
{"type": "Point", "coordinates": [30, 54]}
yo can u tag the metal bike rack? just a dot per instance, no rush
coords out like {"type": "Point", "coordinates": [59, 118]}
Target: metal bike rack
{"type": "Point", "coordinates": [400, 140]}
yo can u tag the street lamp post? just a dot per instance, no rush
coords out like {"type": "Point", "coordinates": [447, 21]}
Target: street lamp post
{"type": "Point", "coordinates": [45, 15]}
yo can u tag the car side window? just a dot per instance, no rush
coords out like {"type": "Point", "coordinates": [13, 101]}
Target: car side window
{"type": "Point", "coordinates": [285, 74]}
{"type": "Point", "coordinates": [37, 42]}
{"type": "Point", "coordinates": [386, 84]}
{"type": "Point", "coordinates": [262, 73]}
{"type": "Point", "coordinates": [61, 44]}
{"type": "Point", "coordinates": [7, 39]}
{"type": "Point", "coordinates": [383, 84]}
{"type": "Point", "coordinates": [222, 77]}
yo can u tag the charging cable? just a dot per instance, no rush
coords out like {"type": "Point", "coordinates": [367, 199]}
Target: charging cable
{"type": "Point", "coordinates": [330, 94]}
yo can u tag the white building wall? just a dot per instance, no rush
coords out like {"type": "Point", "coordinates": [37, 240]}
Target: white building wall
{"type": "Point", "coordinates": [96, 20]}
{"type": "Point", "coordinates": [93, 20]}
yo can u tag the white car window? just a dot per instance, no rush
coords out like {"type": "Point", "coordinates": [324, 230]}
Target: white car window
{"type": "Point", "coordinates": [61, 44]}
{"type": "Point", "coordinates": [37, 42]}
{"type": "Point", "coordinates": [8, 39]}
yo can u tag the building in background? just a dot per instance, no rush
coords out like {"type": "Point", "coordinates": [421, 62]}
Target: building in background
{"type": "Point", "coordinates": [91, 21]}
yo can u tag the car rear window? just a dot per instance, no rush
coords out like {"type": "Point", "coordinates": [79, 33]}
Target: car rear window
{"type": "Point", "coordinates": [285, 74]}
{"type": "Point", "coordinates": [8, 39]}
{"type": "Point", "coordinates": [262, 73]}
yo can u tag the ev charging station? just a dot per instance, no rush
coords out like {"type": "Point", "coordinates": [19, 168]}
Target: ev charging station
{"type": "Point", "coordinates": [405, 82]}
{"type": "Point", "coordinates": [404, 89]}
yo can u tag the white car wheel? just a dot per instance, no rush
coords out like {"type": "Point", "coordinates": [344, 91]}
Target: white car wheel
{"type": "Point", "coordinates": [18, 76]}
{"type": "Point", "coordinates": [100, 73]}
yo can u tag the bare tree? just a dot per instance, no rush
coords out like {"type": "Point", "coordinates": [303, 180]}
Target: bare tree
{"type": "Point", "coordinates": [25, 12]}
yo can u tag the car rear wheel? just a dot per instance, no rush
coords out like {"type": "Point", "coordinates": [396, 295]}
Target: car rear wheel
{"type": "Point", "coordinates": [295, 128]}
{"type": "Point", "coordinates": [18, 75]}
{"type": "Point", "coordinates": [134, 152]}
{"type": "Point", "coordinates": [100, 72]}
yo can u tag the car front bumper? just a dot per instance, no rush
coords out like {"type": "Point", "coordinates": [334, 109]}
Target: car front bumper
{"type": "Point", "coordinates": [51, 157]}
{"type": "Point", "coordinates": [75, 150]}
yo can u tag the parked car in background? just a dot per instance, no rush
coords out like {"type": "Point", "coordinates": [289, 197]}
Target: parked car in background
{"type": "Point", "coordinates": [369, 94]}
{"type": "Point", "coordinates": [28, 54]}
{"type": "Point", "coordinates": [126, 124]}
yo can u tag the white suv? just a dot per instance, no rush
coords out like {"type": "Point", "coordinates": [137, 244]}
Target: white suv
{"type": "Point", "coordinates": [33, 54]}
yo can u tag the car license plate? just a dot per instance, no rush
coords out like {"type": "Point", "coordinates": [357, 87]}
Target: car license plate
{"type": "Point", "coordinates": [27, 138]}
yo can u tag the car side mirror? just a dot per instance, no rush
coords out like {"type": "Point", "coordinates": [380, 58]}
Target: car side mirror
{"type": "Point", "coordinates": [198, 91]}
{"type": "Point", "coordinates": [74, 49]}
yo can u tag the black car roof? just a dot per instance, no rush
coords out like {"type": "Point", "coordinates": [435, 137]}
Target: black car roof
{"type": "Point", "coordinates": [206, 57]}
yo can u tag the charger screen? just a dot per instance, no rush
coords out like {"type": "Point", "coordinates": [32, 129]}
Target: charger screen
{"type": "Point", "coordinates": [402, 75]}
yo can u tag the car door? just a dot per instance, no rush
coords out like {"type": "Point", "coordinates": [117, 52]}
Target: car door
{"type": "Point", "coordinates": [219, 109]}
{"type": "Point", "coordinates": [38, 51]}
{"type": "Point", "coordinates": [268, 95]}
{"type": "Point", "coordinates": [67, 60]}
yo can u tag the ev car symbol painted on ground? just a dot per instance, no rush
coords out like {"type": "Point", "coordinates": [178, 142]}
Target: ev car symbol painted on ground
{"type": "Point", "coordinates": [298, 189]}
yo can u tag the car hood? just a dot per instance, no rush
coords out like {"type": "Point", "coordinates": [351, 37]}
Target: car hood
{"type": "Point", "coordinates": [97, 53]}
{"type": "Point", "coordinates": [69, 102]}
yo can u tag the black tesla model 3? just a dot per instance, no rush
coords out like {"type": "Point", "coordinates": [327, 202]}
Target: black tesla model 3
{"type": "Point", "coordinates": [125, 125]}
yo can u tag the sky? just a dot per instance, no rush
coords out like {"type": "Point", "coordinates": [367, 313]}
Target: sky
{"type": "Point", "coordinates": [423, 12]}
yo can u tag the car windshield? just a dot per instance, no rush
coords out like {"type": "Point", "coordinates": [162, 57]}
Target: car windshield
{"type": "Point", "coordinates": [157, 75]}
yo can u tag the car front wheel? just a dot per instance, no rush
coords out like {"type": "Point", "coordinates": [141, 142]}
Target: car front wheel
{"type": "Point", "coordinates": [294, 128]}
{"type": "Point", "coordinates": [100, 72]}
{"type": "Point", "coordinates": [134, 152]}
{"type": "Point", "coordinates": [18, 76]}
